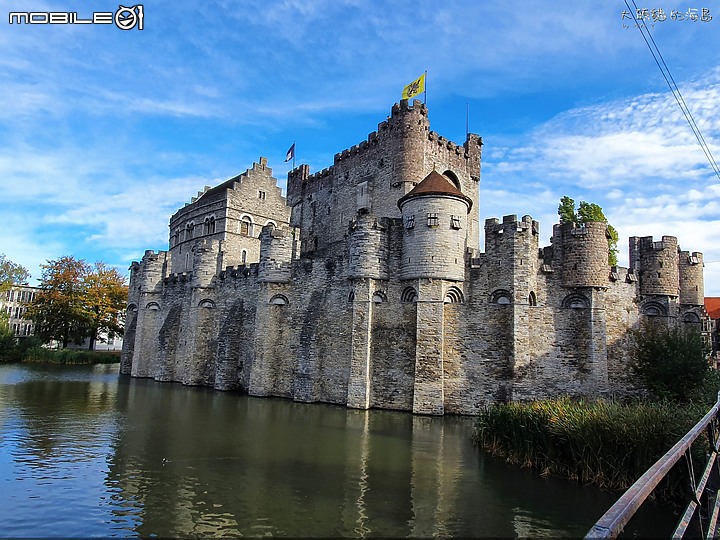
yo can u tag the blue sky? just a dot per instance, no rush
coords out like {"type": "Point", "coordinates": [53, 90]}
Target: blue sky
{"type": "Point", "coordinates": [104, 133]}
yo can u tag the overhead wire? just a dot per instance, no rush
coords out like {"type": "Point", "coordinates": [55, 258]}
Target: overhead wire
{"type": "Point", "coordinates": [667, 75]}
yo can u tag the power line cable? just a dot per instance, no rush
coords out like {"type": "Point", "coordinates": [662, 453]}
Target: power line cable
{"type": "Point", "coordinates": [674, 88]}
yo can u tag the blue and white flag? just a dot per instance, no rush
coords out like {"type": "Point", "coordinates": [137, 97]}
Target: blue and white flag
{"type": "Point", "coordinates": [290, 153]}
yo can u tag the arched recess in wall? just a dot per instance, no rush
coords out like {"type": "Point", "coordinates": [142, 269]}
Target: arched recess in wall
{"type": "Point", "coordinates": [575, 301]}
{"type": "Point", "coordinates": [279, 300]}
{"type": "Point", "coordinates": [692, 318]}
{"type": "Point", "coordinates": [408, 295]}
{"type": "Point", "coordinates": [246, 225]}
{"type": "Point", "coordinates": [532, 299]}
{"type": "Point", "coordinates": [351, 296]}
{"type": "Point", "coordinates": [379, 297]}
{"type": "Point", "coordinates": [271, 223]}
{"type": "Point", "coordinates": [453, 178]}
{"type": "Point", "coordinates": [654, 309]}
{"type": "Point", "coordinates": [453, 296]}
{"type": "Point", "coordinates": [243, 256]}
{"type": "Point", "coordinates": [207, 304]}
{"type": "Point", "coordinates": [152, 306]}
{"type": "Point", "coordinates": [132, 308]}
{"type": "Point", "coordinates": [501, 297]}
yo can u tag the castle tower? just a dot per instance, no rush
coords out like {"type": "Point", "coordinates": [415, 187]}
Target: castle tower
{"type": "Point", "coordinates": [205, 255]}
{"type": "Point", "coordinates": [434, 242]}
{"type": "Point", "coordinates": [658, 265]}
{"type": "Point", "coordinates": [692, 285]}
{"type": "Point", "coordinates": [412, 125]}
{"type": "Point", "coordinates": [584, 251]}
{"type": "Point", "coordinates": [435, 228]}
{"type": "Point", "coordinates": [368, 244]}
{"type": "Point", "coordinates": [147, 282]}
{"type": "Point", "coordinates": [276, 252]}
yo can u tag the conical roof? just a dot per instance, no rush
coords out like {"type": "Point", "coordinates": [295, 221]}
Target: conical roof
{"type": "Point", "coordinates": [435, 184]}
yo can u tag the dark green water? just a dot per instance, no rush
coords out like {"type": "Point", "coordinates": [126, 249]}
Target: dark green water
{"type": "Point", "coordinates": [84, 452]}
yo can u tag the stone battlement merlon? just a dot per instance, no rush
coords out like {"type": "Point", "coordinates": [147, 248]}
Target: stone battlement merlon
{"type": "Point", "coordinates": [510, 223]}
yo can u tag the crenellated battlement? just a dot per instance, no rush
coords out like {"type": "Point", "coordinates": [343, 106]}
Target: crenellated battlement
{"type": "Point", "coordinates": [657, 264]}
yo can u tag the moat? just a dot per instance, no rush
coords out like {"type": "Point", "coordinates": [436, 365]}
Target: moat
{"type": "Point", "coordinates": [85, 452]}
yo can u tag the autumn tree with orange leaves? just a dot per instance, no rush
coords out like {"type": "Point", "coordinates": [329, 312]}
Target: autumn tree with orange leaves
{"type": "Point", "coordinates": [78, 301]}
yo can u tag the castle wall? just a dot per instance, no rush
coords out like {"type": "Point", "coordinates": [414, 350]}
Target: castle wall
{"type": "Point", "coordinates": [358, 308]}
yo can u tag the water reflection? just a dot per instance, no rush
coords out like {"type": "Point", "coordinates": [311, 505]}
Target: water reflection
{"type": "Point", "coordinates": [109, 456]}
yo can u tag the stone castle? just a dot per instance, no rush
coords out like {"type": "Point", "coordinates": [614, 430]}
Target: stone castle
{"type": "Point", "coordinates": [366, 287]}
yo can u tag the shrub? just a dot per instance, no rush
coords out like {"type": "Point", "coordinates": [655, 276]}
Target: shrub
{"type": "Point", "coordinates": [671, 363]}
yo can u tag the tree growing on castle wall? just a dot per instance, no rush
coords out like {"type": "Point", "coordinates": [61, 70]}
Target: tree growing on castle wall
{"type": "Point", "coordinates": [588, 213]}
{"type": "Point", "coordinates": [78, 301]}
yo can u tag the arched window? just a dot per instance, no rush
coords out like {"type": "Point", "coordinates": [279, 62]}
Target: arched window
{"type": "Point", "coordinates": [210, 225]}
{"type": "Point", "coordinates": [271, 223]}
{"type": "Point", "coordinates": [691, 317]}
{"type": "Point", "coordinates": [654, 309]}
{"type": "Point", "coordinates": [132, 308]}
{"type": "Point", "coordinates": [351, 296]}
{"type": "Point", "coordinates": [152, 306]}
{"type": "Point", "coordinates": [189, 228]}
{"type": "Point", "coordinates": [207, 304]}
{"type": "Point", "coordinates": [532, 299]}
{"type": "Point", "coordinates": [243, 256]}
{"type": "Point", "coordinates": [453, 296]}
{"type": "Point", "coordinates": [408, 295]}
{"type": "Point", "coordinates": [575, 301]}
{"type": "Point", "coordinates": [279, 300]}
{"type": "Point", "coordinates": [246, 226]}
{"type": "Point", "coordinates": [452, 177]}
{"type": "Point", "coordinates": [379, 297]}
{"type": "Point", "coordinates": [501, 297]}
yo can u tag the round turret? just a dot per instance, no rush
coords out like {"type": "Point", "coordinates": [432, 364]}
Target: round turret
{"type": "Point", "coordinates": [276, 248]}
{"type": "Point", "coordinates": [205, 254]}
{"type": "Point", "coordinates": [435, 228]}
{"type": "Point", "coordinates": [584, 254]}
{"type": "Point", "coordinates": [368, 243]}
{"type": "Point", "coordinates": [692, 284]}
{"type": "Point", "coordinates": [658, 265]}
{"type": "Point", "coordinates": [411, 124]}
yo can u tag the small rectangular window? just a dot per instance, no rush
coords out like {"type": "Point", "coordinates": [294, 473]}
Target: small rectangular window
{"type": "Point", "coordinates": [261, 195]}
{"type": "Point", "coordinates": [455, 222]}
{"type": "Point", "coordinates": [432, 220]}
{"type": "Point", "coordinates": [410, 222]}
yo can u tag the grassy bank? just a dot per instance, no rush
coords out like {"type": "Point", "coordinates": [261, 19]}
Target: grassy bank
{"type": "Point", "coordinates": [605, 443]}
{"type": "Point", "coordinates": [68, 356]}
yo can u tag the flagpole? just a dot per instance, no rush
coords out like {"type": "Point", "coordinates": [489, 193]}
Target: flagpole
{"type": "Point", "coordinates": [467, 119]}
{"type": "Point", "coordinates": [425, 87]}
{"type": "Point", "coordinates": [294, 152]}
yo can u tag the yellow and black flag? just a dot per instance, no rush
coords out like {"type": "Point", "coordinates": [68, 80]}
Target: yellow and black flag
{"type": "Point", "coordinates": [414, 88]}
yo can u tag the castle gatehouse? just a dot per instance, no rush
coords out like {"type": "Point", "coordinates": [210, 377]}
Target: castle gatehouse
{"type": "Point", "coordinates": [366, 286]}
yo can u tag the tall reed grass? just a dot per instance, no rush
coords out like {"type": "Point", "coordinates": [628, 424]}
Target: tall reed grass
{"type": "Point", "coordinates": [603, 442]}
{"type": "Point", "coordinates": [70, 356]}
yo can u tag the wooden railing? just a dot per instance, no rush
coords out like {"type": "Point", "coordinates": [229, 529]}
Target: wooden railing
{"type": "Point", "coordinates": [704, 504]}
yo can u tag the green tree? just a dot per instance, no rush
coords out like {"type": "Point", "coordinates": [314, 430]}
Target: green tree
{"type": "Point", "coordinates": [104, 302]}
{"type": "Point", "coordinates": [78, 301]}
{"type": "Point", "coordinates": [11, 273]}
{"type": "Point", "coordinates": [589, 213]}
{"type": "Point", "coordinates": [671, 363]}
{"type": "Point", "coordinates": [566, 210]}
{"type": "Point", "coordinates": [58, 310]}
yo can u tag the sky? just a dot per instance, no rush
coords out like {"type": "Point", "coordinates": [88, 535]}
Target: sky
{"type": "Point", "coordinates": [105, 133]}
